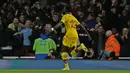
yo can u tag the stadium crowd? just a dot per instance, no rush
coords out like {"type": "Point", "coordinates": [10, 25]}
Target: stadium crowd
{"type": "Point", "coordinates": [22, 22]}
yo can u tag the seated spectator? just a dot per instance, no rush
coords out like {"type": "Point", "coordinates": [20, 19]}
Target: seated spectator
{"type": "Point", "coordinates": [112, 47]}
{"type": "Point", "coordinates": [26, 32]}
{"type": "Point", "coordinates": [42, 46]}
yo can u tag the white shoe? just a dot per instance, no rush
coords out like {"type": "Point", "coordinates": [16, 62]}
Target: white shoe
{"type": "Point", "coordinates": [67, 68]}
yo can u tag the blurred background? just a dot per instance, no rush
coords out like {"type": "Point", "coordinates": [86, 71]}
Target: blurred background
{"type": "Point", "coordinates": [98, 16]}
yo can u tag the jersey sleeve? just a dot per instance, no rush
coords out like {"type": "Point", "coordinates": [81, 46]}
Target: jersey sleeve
{"type": "Point", "coordinates": [77, 22]}
{"type": "Point", "coordinates": [63, 19]}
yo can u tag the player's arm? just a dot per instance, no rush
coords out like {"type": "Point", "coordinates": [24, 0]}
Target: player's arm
{"type": "Point", "coordinates": [86, 32]}
{"type": "Point", "coordinates": [59, 24]}
{"type": "Point", "coordinates": [56, 27]}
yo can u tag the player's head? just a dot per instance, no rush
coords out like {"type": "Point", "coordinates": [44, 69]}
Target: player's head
{"type": "Point", "coordinates": [67, 9]}
{"type": "Point", "coordinates": [62, 9]}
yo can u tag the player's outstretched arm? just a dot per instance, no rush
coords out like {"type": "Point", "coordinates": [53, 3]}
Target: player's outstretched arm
{"type": "Point", "coordinates": [86, 32]}
{"type": "Point", "coordinates": [57, 26]}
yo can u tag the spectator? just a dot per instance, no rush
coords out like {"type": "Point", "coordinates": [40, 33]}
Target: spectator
{"type": "Point", "coordinates": [97, 34]}
{"type": "Point", "coordinates": [22, 19]}
{"type": "Point", "coordinates": [26, 32]}
{"type": "Point", "coordinates": [111, 18]}
{"type": "Point", "coordinates": [129, 25]}
{"type": "Point", "coordinates": [125, 45]}
{"type": "Point", "coordinates": [80, 16]}
{"type": "Point", "coordinates": [96, 14]}
{"type": "Point", "coordinates": [10, 16]}
{"type": "Point", "coordinates": [14, 33]}
{"type": "Point", "coordinates": [99, 40]}
{"type": "Point", "coordinates": [37, 27]}
{"type": "Point", "coordinates": [112, 47]}
{"type": "Point", "coordinates": [49, 32]}
{"type": "Point", "coordinates": [43, 45]}
{"type": "Point", "coordinates": [117, 34]}
{"type": "Point", "coordinates": [37, 22]}
{"type": "Point", "coordinates": [104, 20]}
{"type": "Point", "coordinates": [55, 19]}
{"type": "Point", "coordinates": [27, 12]}
{"type": "Point", "coordinates": [1, 32]}
{"type": "Point", "coordinates": [1, 24]}
{"type": "Point", "coordinates": [123, 3]}
{"type": "Point", "coordinates": [91, 22]}
{"type": "Point", "coordinates": [14, 26]}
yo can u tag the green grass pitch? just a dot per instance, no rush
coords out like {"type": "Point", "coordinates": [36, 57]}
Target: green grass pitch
{"type": "Point", "coordinates": [60, 71]}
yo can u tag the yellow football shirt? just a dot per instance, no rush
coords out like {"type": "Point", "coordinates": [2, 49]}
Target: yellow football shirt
{"type": "Point", "coordinates": [70, 23]}
{"type": "Point", "coordinates": [71, 36]}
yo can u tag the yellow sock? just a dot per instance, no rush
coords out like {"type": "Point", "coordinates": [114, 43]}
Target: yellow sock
{"type": "Point", "coordinates": [83, 47]}
{"type": "Point", "coordinates": [79, 48]}
{"type": "Point", "coordinates": [73, 52]}
{"type": "Point", "coordinates": [66, 65]}
{"type": "Point", "coordinates": [65, 58]}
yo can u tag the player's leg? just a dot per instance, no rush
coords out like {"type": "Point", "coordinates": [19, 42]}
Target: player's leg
{"type": "Point", "coordinates": [78, 48]}
{"type": "Point", "coordinates": [74, 51]}
{"type": "Point", "coordinates": [83, 47]}
{"type": "Point", "coordinates": [74, 44]}
{"type": "Point", "coordinates": [64, 54]}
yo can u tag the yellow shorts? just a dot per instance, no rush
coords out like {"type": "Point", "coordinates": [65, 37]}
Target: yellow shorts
{"type": "Point", "coordinates": [70, 41]}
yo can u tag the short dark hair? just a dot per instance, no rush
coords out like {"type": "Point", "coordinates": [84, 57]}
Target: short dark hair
{"type": "Point", "coordinates": [60, 8]}
{"type": "Point", "coordinates": [68, 9]}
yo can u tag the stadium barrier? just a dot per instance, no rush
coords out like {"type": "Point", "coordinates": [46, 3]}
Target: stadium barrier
{"type": "Point", "coordinates": [73, 58]}
{"type": "Point", "coordinates": [33, 57]}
